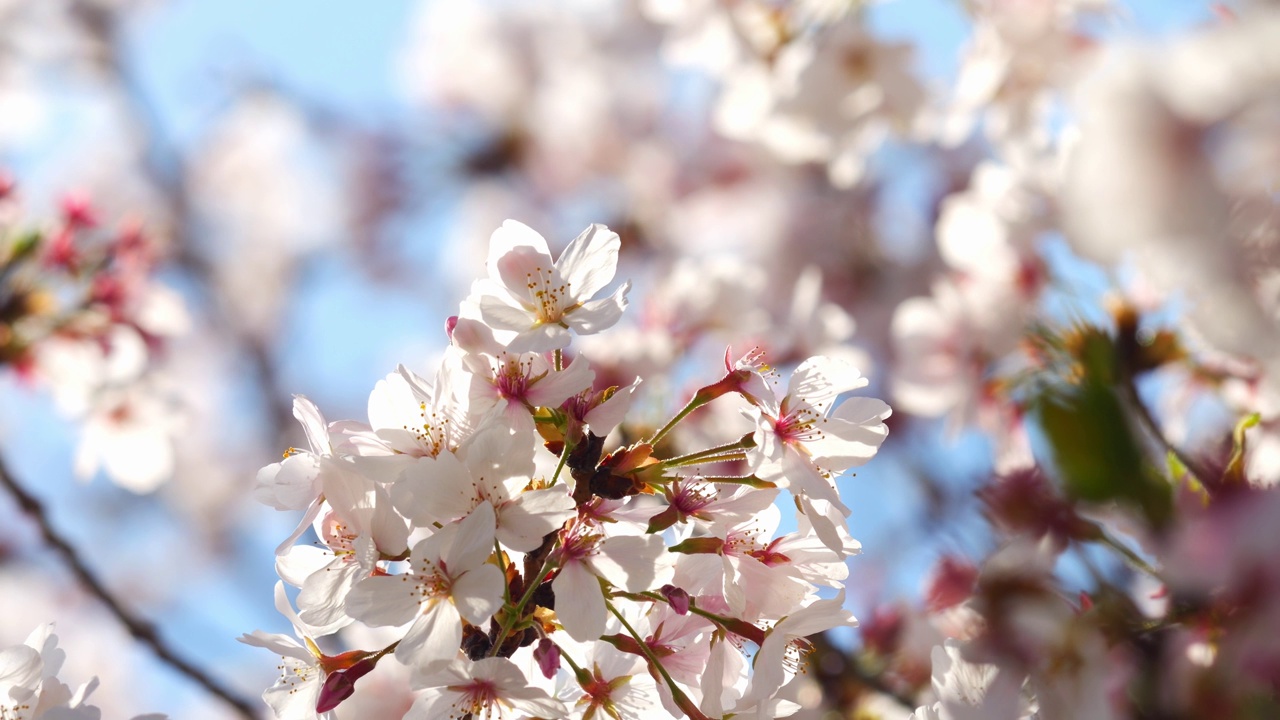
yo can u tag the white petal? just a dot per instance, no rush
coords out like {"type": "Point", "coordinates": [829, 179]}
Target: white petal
{"type": "Point", "coordinates": [804, 477]}
{"type": "Point", "coordinates": [434, 703]}
{"type": "Point", "coordinates": [579, 602]}
{"type": "Point", "coordinates": [434, 489]}
{"type": "Point", "coordinates": [297, 564]}
{"type": "Point", "coordinates": [496, 452]}
{"type": "Point", "coordinates": [717, 695]}
{"type": "Point", "coordinates": [388, 531]}
{"type": "Point", "coordinates": [322, 602]}
{"type": "Point", "coordinates": [393, 406]}
{"type": "Point", "coordinates": [433, 639]}
{"type": "Point", "coordinates": [534, 702]}
{"type": "Point", "coordinates": [523, 523]}
{"type": "Point", "coordinates": [826, 519]}
{"type": "Point", "coordinates": [473, 543]}
{"type": "Point", "coordinates": [294, 695]}
{"type": "Point", "coordinates": [634, 563]}
{"type": "Point", "coordinates": [313, 424]}
{"type": "Point", "coordinates": [597, 315]}
{"type": "Point", "coordinates": [609, 414]}
{"type": "Point", "coordinates": [590, 261]}
{"type": "Point", "coordinates": [501, 315]}
{"type": "Point", "coordinates": [289, 485]}
{"type": "Point", "coordinates": [384, 600]}
{"type": "Point", "coordinates": [557, 387]}
{"type": "Point", "coordinates": [313, 511]}
{"type": "Point", "coordinates": [540, 338]}
{"type": "Point", "coordinates": [282, 645]}
{"type": "Point", "coordinates": [820, 379]}
{"type": "Point", "coordinates": [852, 434]}
{"type": "Point", "coordinates": [20, 667]}
{"type": "Point", "coordinates": [511, 235]}
{"type": "Point", "coordinates": [478, 594]}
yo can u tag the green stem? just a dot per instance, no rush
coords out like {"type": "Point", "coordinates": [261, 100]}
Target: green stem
{"type": "Point", "coordinates": [694, 404]}
{"type": "Point", "coordinates": [1133, 558]}
{"type": "Point", "coordinates": [743, 443]}
{"type": "Point", "coordinates": [514, 614]}
{"type": "Point", "coordinates": [720, 620]}
{"type": "Point", "coordinates": [654, 660]}
{"type": "Point", "coordinates": [1130, 392]}
{"type": "Point", "coordinates": [577, 669]}
{"type": "Point", "coordinates": [582, 676]}
{"type": "Point", "coordinates": [564, 457]}
{"type": "Point", "coordinates": [710, 459]}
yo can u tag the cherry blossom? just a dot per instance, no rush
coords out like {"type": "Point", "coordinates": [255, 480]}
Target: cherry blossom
{"type": "Point", "coordinates": [586, 556]}
{"type": "Point", "coordinates": [514, 382]}
{"type": "Point", "coordinates": [30, 688]}
{"type": "Point", "coordinates": [302, 666]}
{"type": "Point", "coordinates": [539, 300]}
{"type": "Point", "coordinates": [800, 441]}
{"type": "Point", "coordinates": [488, 688]}
{"type": "Point", "coordinates": [616, 685]}
{"type": "Point", "coordinates": [448, 581]}
{"type": "Point", "coordinates": [494, 467]}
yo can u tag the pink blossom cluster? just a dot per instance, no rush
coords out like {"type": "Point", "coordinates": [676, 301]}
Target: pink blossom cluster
{"type": "Point", "coordinates": [535, 551]}
{"type": "Point", "coordinates": [81, 313]}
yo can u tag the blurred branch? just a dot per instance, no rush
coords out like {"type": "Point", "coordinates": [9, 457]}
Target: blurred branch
{"type": "Point", "coordinates": [843, 677]}
{"type": "Point", "coordinates": [1129, 390]}
{"type": "Point", "coordinates": [141, 630]}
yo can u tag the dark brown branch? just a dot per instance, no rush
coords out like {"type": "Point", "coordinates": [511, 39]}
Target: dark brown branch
{"type": "Point", "coordinates": [843, 681]}
{"type": "Point", "coordinates": [141, 630]}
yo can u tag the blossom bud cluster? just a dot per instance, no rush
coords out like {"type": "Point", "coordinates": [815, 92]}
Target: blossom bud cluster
{"type": "Point", "coordinates": [81, 313]}
{"type": "Point", "coordinates": [534, 550]}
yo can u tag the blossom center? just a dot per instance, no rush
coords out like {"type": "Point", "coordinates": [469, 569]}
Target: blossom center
{"type": "Point", "coordinates": [477, 699]}
{"type": "Point", "coordinates": [690, 497]}
{"type": "Point", "coordinates": [433, 433]}
{"type": "Point", "coordinates": [579, 544]}
{"type": "Point", "coordinates": [512, 378]}
{"type": "Point", "coordinates": [799, 425]}
{"type": "Point", "coordinates": [549, 297]}
{"type": "Point", "coordinates": [432, 581]}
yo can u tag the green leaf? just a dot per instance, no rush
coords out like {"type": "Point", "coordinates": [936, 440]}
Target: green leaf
{"type": "Point", "coordinates": [1097, 453]}
{"type": "Point", "coordinates": [1234, 474]}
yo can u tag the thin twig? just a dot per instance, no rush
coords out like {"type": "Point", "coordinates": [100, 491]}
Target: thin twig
{"type": "Point", "coordinates": [141, 630]}
{"type": "Point", "coordinates": [1130, 390]}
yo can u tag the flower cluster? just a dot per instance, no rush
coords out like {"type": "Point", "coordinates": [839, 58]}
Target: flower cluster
{"type": "Point", "coordinates": [30, 688]}
{"type": "Point", "coordinates": [536, 549]}
{"type": "Point", "coordinates": [81, 312]}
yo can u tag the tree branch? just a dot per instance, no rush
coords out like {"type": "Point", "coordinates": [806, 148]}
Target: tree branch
{"type": "Point", "coordinates": [141, 630]}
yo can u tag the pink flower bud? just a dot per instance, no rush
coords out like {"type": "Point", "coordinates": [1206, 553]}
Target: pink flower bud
{"type": "Point", "coordinates": [78, 211]}
{"type": "Point", "coordinates": [952, 583]}
{"type": "Point", "coordinates": [678, 598]}
{"type": "Point", "coordinates": [341, 684]}
{"type": "Point", "coordinates": [548, 656]}
{"type": "Point", "coordinates": [61, 250]}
